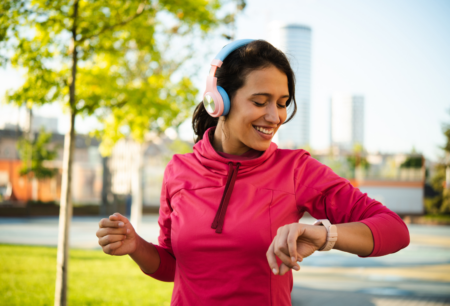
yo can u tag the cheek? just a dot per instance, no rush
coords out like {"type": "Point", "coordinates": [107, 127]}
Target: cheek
{"type": "Point", "coordinates": [282, 114]}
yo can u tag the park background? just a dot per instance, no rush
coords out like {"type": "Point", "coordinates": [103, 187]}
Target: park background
{"type": "Point", "coordinates": [393, 53]}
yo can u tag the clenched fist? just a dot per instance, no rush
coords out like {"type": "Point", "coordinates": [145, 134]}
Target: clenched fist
{"type": "Point", "coordinates": [117, 236]}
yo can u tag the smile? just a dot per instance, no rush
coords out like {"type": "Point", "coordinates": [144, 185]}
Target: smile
{"type": "Point", "coordinates": [266, 131]}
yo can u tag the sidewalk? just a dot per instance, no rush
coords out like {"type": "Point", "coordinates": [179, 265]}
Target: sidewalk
{"type": "Point", "coordinates": [311, 297]}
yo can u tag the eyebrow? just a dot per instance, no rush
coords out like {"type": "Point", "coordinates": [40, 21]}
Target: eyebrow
{"type": "Point", "coordinates": [267, 94]}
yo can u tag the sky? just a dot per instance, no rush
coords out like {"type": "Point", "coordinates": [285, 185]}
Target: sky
{"type": "Point", "coordinates": [395, 53]}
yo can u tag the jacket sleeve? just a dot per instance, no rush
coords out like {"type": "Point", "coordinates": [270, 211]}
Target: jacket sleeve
{"type": "Point", "coordinates": [324, 194]}
{"type": "Point", "coordinates": [166, 269]}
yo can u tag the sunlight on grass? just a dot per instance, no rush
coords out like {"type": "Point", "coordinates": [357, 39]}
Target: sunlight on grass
{"type": "Point", "coordinates": [27, 277]}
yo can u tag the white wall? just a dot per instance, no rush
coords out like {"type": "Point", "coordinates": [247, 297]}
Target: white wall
{"type": "Point", "coordinates": [401, 200]}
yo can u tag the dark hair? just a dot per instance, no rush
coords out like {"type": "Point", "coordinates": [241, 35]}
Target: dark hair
{"type": "Point", "coordinates": [231, 76]}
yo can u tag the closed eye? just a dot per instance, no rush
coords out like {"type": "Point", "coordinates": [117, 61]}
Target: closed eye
{"type": "Point", "coordinates": [258, 104]}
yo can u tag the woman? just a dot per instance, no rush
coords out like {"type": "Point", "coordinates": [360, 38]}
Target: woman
{"type": "Point", "coordinates": [230, 211]}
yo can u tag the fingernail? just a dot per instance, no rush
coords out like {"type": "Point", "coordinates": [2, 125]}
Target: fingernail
{"type": "Point", "coordinates": [121, 224]}
{"type": "Point", "coordinates": [293, 259]}
{"type": "Point", "coordinates": [128, 230]}
{"type": "Point", "coordinates": [274, 271]}
{"type": "Point", "coordinates": [296, 268]}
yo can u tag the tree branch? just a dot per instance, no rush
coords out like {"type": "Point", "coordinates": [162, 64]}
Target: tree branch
{"type": "Point", "coordinates": [139, 12]}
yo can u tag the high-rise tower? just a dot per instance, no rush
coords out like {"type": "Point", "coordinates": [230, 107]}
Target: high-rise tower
{"type": "Point", "coordinates": [295, 41]}
{"type": "Point", "coordinates": [347, 121]}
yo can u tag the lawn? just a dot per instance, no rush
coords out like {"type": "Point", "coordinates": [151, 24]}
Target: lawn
{"type": "Point", "coordinates": [28, 273]}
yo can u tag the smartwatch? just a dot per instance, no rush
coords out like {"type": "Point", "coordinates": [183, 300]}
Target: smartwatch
{"type": "Point", "coordinates": [331, 234]}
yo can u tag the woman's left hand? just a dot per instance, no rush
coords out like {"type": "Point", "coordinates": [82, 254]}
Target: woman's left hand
{"type": "Point", "coordinates": [292, 243]}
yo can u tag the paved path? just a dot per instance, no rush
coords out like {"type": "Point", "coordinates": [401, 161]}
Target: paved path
{"type": "Point", "coordinates": [311, 297]}
{"type": "Point", "coordinates": [418, 275]}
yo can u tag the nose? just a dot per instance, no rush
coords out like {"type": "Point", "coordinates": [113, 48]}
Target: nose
{"type": "Point", "coordinates": [272, 115]}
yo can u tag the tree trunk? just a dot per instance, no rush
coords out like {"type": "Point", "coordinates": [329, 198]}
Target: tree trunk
{"type": "Point", "coordinates": [106, 187]}
{"type": "Point", "coordinates": [30, 138]}
{"type": "Point", "coordinates": [65, 213]}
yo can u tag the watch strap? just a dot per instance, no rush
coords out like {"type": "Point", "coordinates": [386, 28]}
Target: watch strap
{"type": "Point", "coordinates": [331, 234]}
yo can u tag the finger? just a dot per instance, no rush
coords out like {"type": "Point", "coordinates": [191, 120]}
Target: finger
{"type": "Point", "coordinates": [280, 239]}
{"type": "Point", "coordinates": [101, 232]}
{"type": "Point", "coordinates": [108, 223]}
{"type": "Point", "coordinates": [282, 249]}
{"type": "Point", "coordinates": [108, 239]}
{"type": "Point", "coordinates": [292, 243]}
{"type": "Point", "coordinates": [110, 248]}
{"type": "Point", "coordinates": [286, 260]}
{"type": "Point", "coordinates": [272, 259]}
{"type": "Point", "coordinates": [117, 216]}
{"type": "Point", "coordinates": [284, 269]}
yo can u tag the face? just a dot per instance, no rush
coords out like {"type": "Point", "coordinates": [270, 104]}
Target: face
{"type": "Point", "coordinates": [257, 111]}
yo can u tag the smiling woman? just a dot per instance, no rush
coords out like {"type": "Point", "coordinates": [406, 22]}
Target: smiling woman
{"type": "Point", "coordinates": [261, 86]}
{"type": "Point", "coordinates": [230, 211]}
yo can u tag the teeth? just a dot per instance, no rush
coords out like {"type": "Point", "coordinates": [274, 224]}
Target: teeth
{"type": "Point", "coordinates": [263, 130]}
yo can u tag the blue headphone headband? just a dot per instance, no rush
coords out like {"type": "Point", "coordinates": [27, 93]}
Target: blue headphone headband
{"type": "Point", "coordinates": [231, 47]}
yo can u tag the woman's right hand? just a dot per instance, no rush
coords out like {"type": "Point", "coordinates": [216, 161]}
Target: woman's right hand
{"type": "Point", "coordinates": [117, 236]}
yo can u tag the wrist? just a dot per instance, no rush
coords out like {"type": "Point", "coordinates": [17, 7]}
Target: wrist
{"type": "Point", "coordinates": [138, 246]}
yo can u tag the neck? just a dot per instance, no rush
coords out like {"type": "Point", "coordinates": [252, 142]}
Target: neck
{"type": "Point", "coordinates": [226, 143]}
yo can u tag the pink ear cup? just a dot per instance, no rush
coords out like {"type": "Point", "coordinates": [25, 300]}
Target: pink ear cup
{"type": "Point", "coordinates": [212, 100]}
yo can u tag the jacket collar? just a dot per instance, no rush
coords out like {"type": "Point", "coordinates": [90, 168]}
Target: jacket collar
{"type": "Point", "coordinates": [210, 159]}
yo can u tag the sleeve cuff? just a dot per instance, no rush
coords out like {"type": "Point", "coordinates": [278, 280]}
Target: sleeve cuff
{"type": "Point", "coordinates": [390, 233]}
{"type": "Point", "coordinates": [167, 266]}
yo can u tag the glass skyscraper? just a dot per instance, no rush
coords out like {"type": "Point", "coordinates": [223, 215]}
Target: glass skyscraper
{"type": "Point", "coordinates": [295, 41]}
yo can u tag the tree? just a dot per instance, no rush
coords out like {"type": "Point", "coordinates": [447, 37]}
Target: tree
{"type": "Point", "coordinates": [121, 61]}
{"type": "Point", "coordinates": [37, 151]}
{"type": "Point", "coordinates": [440, 181]}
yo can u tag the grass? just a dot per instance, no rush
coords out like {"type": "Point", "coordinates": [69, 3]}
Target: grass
{"type": "Point", "coordinates": [28, 273]}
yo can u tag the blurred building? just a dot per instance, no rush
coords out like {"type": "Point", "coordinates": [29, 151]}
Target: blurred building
{"type": "Point", "coordinates": [295, 41]}
{"type": "Point", "coordinates": [347, 121]}
{"type": "Point", "coordinates": [395, 180]}
{"type": "Point", "coordinates": [19, 119]}
{"type": "Point", "coordinates": [86, 176]}
{"type": "Point", "coordinates": [124, 162]}
{"type": "Point", "coordinates": [50, 124]}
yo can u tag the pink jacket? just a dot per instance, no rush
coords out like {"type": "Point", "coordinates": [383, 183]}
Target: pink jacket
{"type": "Point", "coordinates": [218, 217]}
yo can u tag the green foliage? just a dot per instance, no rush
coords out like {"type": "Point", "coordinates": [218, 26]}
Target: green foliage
{"type": "Point", "coordinates": [27, 277]}
{"type": "Point", "coordinates": [180, 147]}
{"type": "Point", "coordinates": [357, 158]}
{"type": "Point", "coordinates": [34, 153]}
{"type": "Point", "coordinates": [441, 203]}
{"type": "Point", "coordinates": [412, 162]}
{"type": "Point", "coordinates": [128, 58]}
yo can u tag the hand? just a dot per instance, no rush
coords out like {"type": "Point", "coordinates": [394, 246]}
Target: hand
{"type": "Point", "coordinates": [116, 235]}
{"type": "Point", "coordinates": [292, 243]}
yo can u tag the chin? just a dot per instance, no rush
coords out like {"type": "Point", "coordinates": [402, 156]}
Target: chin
{"type": "Point", "coordinates": [261, 145]}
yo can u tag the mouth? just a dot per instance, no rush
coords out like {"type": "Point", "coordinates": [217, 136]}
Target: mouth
{"type": "Point", "coordinates": [266, 132]}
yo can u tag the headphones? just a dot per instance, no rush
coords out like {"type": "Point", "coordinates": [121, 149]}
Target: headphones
{"type": "Point", "coordinates": [215, 98]}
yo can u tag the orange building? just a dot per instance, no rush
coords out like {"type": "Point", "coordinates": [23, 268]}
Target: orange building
{"type": "Point", "coordinates": [86, 176]}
